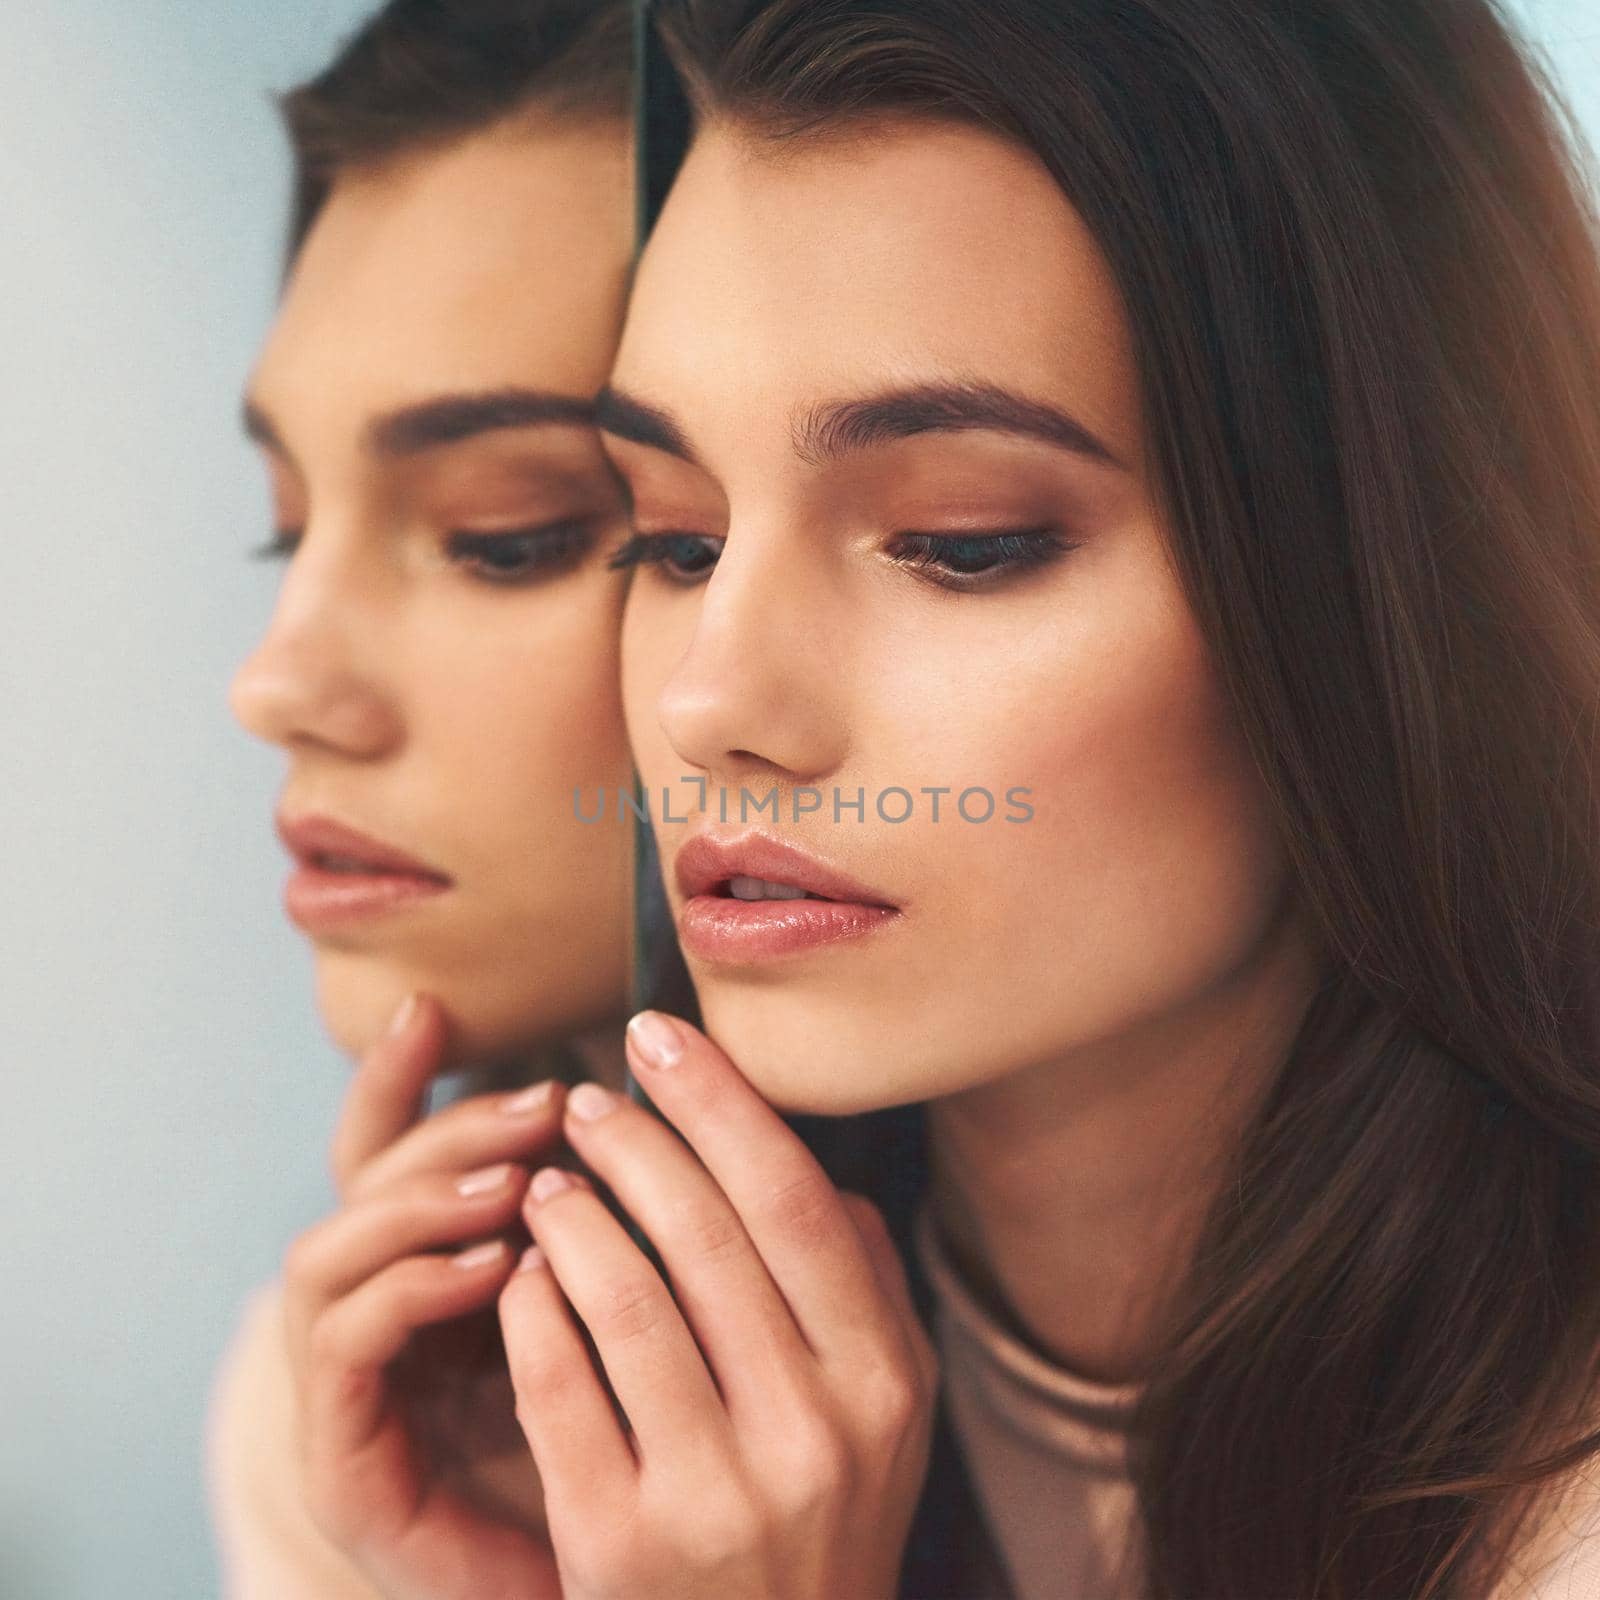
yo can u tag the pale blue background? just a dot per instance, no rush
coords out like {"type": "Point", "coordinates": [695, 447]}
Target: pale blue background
{"type": "Point", "coordinates": [167, 1090]}
{"type": "Point", "coordinates": [169, 1095]}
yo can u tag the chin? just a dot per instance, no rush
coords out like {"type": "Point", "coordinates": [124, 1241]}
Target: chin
{"type": "Point", "coordinates": [358, 996]}
{"type": "Point", "coordinates": [805, 1056]}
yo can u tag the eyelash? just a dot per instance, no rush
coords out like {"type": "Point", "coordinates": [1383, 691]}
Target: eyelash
{"type": "Point", "coordinates": [1012, 550]}
{"type": "Point", "coordinates": [543, 550]}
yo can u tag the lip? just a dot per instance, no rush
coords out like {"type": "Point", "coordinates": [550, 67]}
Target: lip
{"type": "Point", "coordinates": [718, 928]}
{"type": "Point", "coordinates": [321, 899]}
{"type": "Point", "coordinates": [704, 861]}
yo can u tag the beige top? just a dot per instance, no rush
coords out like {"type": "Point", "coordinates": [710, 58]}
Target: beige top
{"type": "Point", "coordinates": [1046, 1449]}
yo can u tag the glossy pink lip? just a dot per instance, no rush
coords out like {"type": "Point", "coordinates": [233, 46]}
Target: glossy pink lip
{"type": "Point", "coordinates": [715, 927]}
{"type": "Point", "coordinates": [343, 876]}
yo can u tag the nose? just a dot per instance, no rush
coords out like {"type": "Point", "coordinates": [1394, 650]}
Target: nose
{"type": "Point", "coordinates": [311, 681]}
{"type": "Point", "coordinates": [757, 690]}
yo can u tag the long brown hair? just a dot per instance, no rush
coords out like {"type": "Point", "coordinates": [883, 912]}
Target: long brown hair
{"type": "Point", "coordinates": [1358, 253]}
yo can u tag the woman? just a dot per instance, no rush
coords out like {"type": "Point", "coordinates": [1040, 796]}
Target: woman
{"type": "Point", "coordinates": [440, 670]}
{"type": "Point", "coordinates": [1180, 418]}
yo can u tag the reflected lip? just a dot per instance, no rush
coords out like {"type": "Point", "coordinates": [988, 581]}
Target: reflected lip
{"type": "Point", "coordinates": [312, 840]}
{"type": "Point", "coordinates": [705, 863]}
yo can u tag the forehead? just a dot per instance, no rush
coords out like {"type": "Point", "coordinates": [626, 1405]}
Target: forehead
{"type": "Point", "coordinates": [913, 251]}
{"type": "Point", "coordinates": [499, 258]}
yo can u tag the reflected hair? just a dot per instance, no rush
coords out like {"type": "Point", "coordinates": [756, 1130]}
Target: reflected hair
{"type": "Point", "coordinates": [425, 71]}
{"type": "Point", "coordinates": [1357, 247]}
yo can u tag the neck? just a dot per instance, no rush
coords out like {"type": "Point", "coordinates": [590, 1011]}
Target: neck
{"type": "Point", "coordinates": [1070, 1193]}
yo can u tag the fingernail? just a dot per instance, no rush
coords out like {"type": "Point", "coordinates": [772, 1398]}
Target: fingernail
{"type": "Point", "coordinates": [657, 1038]}
{"type": "Point", "coordinates": [590, 1100]}
{"type": "Point", "coordinates": [480, 1255]}
{"type": "Point", "coordinates": [482, 1181]}
{"type": "Point", "coordinates": [403, 1014]}
{"type": "Point", "coordinates": [548, 1181]}
{"type": "Point", "coordinates": [526, 1100]}
{"type": "Point", "coordinates": [532, 1258]}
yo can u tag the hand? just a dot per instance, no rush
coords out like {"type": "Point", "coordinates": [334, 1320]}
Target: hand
{"type": "Point", "coordinates": [777, 1400]}
{"type": "Point", "coordinates": [385, 1334]}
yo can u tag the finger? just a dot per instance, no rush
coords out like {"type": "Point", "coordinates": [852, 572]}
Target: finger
{"type": "Point", "coordinates": [344, 1393]}
{"type": "Point", "coordinates": [332, 1258]}
{"type": "Point", "coordinates": [389, 1087]}
{"type": "Point", "coordinates": [790, 1207]}
{"type": "Point", "coordinates": [485, 1128]}
{"type": "Point", "coordinates": [578, 1445]}
{"type": "Point", "coordinates": [649, 1355]}
{"type": "Point", "coordinates": [723, 1288]}
{"type": "Point", "coordinates": [892, 1277]}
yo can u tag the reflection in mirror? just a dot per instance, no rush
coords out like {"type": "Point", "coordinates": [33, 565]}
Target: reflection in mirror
{"type": "Point", "coordinates": [440, 673]}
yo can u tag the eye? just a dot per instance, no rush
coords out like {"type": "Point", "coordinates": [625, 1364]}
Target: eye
{"type": "Point", "coordinates": [977, 560]}
{"type": "Point", "coordinates": [684, 558]}
{"type": "Point", "coordinates": [521, 555]}
{"type": "Point", "coordinates": [279, 547]}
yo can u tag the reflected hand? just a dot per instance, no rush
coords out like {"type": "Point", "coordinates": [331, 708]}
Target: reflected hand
{"type": "Point", "coordinates": [393, 1342]}
{"type": "Point", "coordinates": [776, 1401]}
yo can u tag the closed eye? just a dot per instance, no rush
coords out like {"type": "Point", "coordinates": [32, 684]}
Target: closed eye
{"type": "Point", "coordinates": [521, 555]}
{"type": "Point", "coordinates": [514, 556]}
{"type": "Point", "coordinates": [683, 558]}
{"type": "Point", "coordinates": [965, 561]}
{"type": "Point", "coordinates": [969, 561]}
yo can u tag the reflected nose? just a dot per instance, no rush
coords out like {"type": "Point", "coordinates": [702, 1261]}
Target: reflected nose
{"type": "Point", "coordinates": [756, 693]}
{"type": "Point", "coordinates": [310, 680]}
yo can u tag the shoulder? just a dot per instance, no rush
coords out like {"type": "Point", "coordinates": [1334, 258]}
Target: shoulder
{"type": "Point", "coordinates": [1559, 1556]}
{"type": "Point", "coordinates": [249, 1416]}
{"type": "Point", "coordinates": [269, 1547]}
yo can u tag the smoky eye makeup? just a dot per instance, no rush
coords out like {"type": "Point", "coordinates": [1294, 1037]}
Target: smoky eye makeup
{"type": "Point", "coordinates": [968, 561]}
{"type": "Point", "coordinates": [978, 560]}
{"type": "Point", "coordinates": [503, 556]}
{"type": "Point", "coordinates": [523, 555]}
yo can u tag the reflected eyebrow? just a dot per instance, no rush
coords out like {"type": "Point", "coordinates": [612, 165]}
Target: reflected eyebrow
{"type": "Point", "coordinates": [448, 419]}
{"type": "Point", "coordinates": [444, 419]}
{"type": "Point", "coordinates": [836, 428]}
{"type": "Point", "coordinates": [259, 427]}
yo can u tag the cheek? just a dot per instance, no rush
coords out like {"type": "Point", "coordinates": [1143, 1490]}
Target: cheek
{"type": "Point", "coordinates": [1151, 858]}
{"type": "Point", "coordinates": [1150, 864]}
{"type": "Point", "coordinates": [514, 710]}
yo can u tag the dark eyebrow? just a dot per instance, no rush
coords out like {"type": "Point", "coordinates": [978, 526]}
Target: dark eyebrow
{"type": "Point", "coordinates": [446, 419]}
{"type": "Point", "coordinates": [837, 427]}
{"type": "Point", "coordinates": [259, 428]}
{"type": "Point", "coordinates": [626, 418]}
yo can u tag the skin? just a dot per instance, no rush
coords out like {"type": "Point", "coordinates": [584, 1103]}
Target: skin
{"type": "Point", "coordinates": [452, 716]}
{"type": "Point", "coordinates": [1091, 1001]}
{"type": "Point", "coordinates": [779, 1399]}
{"type": "Point", "coordinates": [761, 1430]}
{"type": "Point", "coordinates": [761, 1427]}
{"type": "Point", "coordinates": [417, 698]}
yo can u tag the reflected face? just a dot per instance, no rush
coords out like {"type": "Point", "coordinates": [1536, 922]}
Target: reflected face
{"type": "Point", "coordinates": [441, 664]}
{"type": "Point", "coordinates": [877, 408]}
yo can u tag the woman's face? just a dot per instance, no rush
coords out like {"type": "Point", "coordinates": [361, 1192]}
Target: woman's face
{"type": "Point", "coordinates": [837, 356]}
{"type": "Point", "coordinates": [441, 663]}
